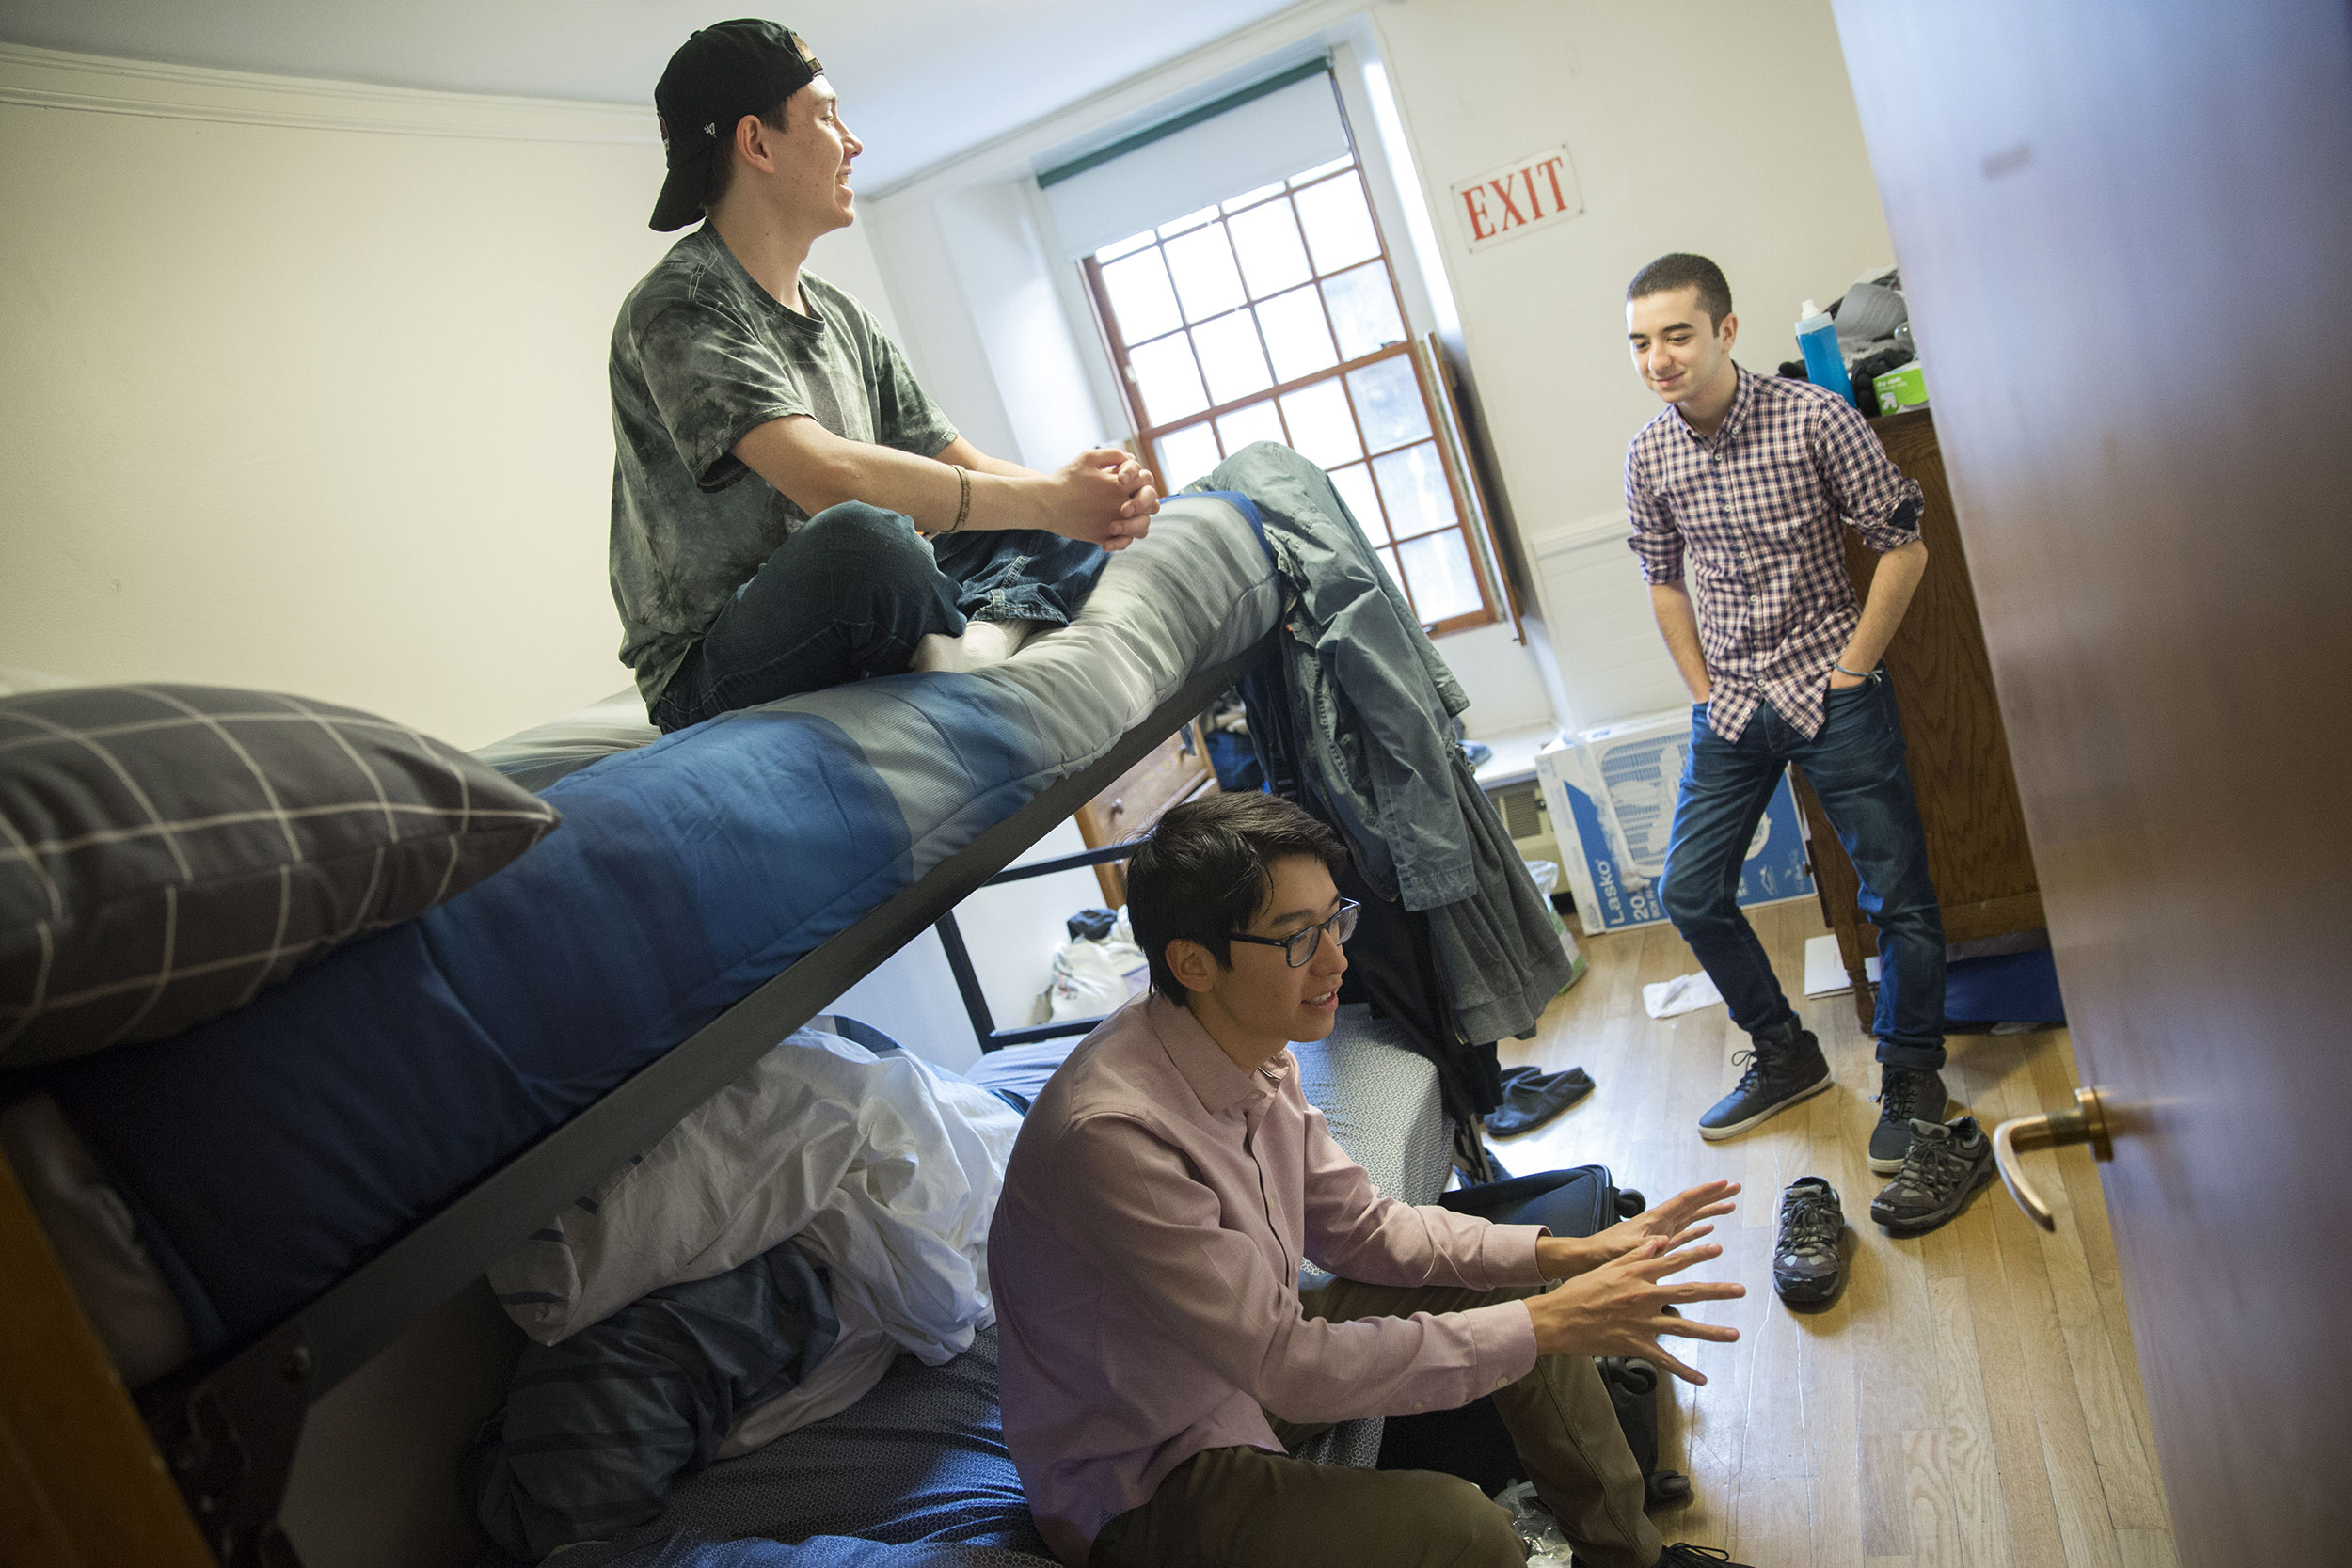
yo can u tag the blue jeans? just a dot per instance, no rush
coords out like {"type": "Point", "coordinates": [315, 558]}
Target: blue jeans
{"type": "Point", "coordinates": [852, 594]}
{"type": "Point", "coordinates": [1855, 766]}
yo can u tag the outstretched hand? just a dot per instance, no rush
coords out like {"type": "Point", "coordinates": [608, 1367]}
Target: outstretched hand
{"type": "Point", "coordinates": [1674, 1222]}
{"type": "Point", "coordinates": [1619, 1309]}
{"type": "Point", "coordinates": [1103, 497]}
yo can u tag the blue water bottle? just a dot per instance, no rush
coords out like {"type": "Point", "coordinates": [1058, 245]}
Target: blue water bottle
{"type": "Point", "coordinates": [1817, 337]}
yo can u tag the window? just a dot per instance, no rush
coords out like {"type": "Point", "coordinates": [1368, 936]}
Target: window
{"type": "Point", "coordinates": [1273, 316]}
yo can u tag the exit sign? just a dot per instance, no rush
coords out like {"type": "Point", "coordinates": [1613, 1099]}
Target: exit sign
{"type": "Point", "coordinates": [1524, 195]}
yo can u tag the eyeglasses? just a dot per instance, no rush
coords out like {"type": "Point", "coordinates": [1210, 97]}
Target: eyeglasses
{"type": "Point", "coordinates": [1299, 948]}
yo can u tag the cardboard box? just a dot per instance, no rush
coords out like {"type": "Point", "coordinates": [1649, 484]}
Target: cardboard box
{"type": "Point", "coordinates": [1611, 793]}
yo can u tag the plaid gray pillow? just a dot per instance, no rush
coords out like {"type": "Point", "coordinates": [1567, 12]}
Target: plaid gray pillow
{"type": "Point", "coordinates": [165, 851]}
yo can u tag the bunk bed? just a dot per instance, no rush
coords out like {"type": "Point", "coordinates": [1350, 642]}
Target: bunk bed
{"type": "Point", "coordinates": [297, 1285]}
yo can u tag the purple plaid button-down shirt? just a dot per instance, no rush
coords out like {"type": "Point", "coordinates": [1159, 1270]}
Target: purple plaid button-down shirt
{"type": "Point", "coordinates": [1756, 509]}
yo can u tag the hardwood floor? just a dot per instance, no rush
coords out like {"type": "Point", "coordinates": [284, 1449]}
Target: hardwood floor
{"type": "Point", "coordinates": [1970, 1398]}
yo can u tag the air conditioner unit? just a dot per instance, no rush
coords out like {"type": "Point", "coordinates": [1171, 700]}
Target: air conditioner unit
{"type": "Point", "coordinates": [1528, 820]}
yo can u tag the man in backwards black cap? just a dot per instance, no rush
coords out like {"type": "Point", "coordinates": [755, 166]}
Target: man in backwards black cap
{"type": "Point", "coordinates": [777, 466]}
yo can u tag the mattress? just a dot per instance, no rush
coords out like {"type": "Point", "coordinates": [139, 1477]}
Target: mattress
{"type": "Point", "coordinates": [266, 1153]}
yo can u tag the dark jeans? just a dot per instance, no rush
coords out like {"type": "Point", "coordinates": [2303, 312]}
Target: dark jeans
{"type": "Point", "coordinates": [1855, 765]}
{"type": "Point", "coordinates": [852, 592]}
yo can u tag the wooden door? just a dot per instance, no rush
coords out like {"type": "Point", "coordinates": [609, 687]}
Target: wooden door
{"type": "Point", "coordinates": [2126, 231]}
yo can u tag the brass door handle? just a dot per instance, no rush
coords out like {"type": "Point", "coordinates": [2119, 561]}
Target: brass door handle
{"type": "Point", "coordinates": [2086, 1123]}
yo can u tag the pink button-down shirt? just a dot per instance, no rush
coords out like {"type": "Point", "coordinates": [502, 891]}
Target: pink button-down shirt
{"type": "Point", "coordinates": [1145, 1263]}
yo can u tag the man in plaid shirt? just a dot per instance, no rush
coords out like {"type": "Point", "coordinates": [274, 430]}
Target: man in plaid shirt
{"type": "Point", "coordinates": [1744, 480]}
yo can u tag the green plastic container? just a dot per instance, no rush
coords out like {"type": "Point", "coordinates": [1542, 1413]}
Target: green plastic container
{"type": "Point", "coordinates": [1901, 387]}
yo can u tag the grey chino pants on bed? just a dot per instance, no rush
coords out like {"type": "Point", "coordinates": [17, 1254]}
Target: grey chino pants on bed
{"type": "Point", "coordinates": [1247, 1507]}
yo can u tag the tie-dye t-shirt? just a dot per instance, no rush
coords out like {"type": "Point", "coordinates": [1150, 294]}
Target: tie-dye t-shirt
{"type": "Point", "coordinates": [701, 356]}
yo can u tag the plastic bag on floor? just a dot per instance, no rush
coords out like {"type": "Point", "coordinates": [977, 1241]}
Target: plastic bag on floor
{"type": "Point", "coordinates": [1545, 875]}
{"type": "Point", "coordinates": [1532, 1523]}
{"type": "Point", "coordinates": [1095, 972]}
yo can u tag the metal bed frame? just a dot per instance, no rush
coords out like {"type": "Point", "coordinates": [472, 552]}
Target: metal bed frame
{"type": "Point", "coordinates": [968, 978]}
{"type": "Point", "coordinates": [228, 1430]}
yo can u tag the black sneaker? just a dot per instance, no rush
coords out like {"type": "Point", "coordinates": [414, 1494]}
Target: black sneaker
{"type": "Point", "coordinates": [1906, 1094]}
{"type": "Point", "coordinates": [1683, 1555]}
{"type": "Point", "coordinates": [1784, 1065]}
{"type": "Point", "coordinates": [1806, 1266]}
{"type": "Point", "coordinates": [1947, 1162]}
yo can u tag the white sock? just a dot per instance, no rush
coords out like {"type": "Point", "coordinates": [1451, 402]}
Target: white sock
{"type": "Point", "coordinates": [983, 643]}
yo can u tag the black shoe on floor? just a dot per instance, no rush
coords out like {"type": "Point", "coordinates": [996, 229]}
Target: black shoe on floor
{"type": "Point", "coordinates": [1947, 1162]}
{"type": "Point", "coordinates": [1906, 1094]}
{"type": "Point", "coordinates": [1783, 1066]}
{"type": "Point", "coordinates": [1806, 1264]}
{"type": "Point", "coordinates": [1530, 1099]}
{"type": "Point", "coordinates": [1683, 1555]}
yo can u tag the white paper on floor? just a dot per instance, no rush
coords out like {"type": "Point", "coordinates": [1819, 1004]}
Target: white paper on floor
{"type": "Point", "coordinates": [1825, 972]}
{"type": "Point", "coordinates": [1684, 993]}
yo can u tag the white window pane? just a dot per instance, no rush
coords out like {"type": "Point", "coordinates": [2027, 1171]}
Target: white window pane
{"type": "Point", "coordinates": [1250, 199]}
{"type": "Point", "coordinates": [1320, 170]}
{"type": "Point", "coordinates": [1354, 483]}
{"type": "Point", "coordinates": [1321, 430]}
{"type": "Point", "coordinates": [1205, 279]}
{"type": "Point", "coordinates": [1142, 302]}
{"type": "Point", "coordinates": [1190, 220]}
{"type": "Point", "coordinates": [1438, 568]}
{"type": "Point", "coordinates": [1338, 224]}
{"type": "Point", "coordinates": [1230, 357]}
{"type": "Point", "coordinates": [1388, 403]}
{"type": "Point", "coordinates": [1133, 243]}
{"type": "Point", "coordinates": [1257, 422]}
{"type": "Point", "coordinates": [1272, 257]}
{"type": "Point", "coordinates": [1168, 380]}
{"type": "Point", "coordinates": [1363, 310]}
{"type": "Point", "coordinates": [1296, 335]}
{"type": "Point", "coordinates": [1185, 455]}
{"type": "Point", "coordinates": [1388, 564]}
{"type": "Point", "coordinates": [1412, 482]}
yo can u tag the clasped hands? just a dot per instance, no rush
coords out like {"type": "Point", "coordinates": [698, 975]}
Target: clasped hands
{"type": "Point", "coordinates": [1103, 497]}
{"type": "Point", "coordinates": [1614, 1300]}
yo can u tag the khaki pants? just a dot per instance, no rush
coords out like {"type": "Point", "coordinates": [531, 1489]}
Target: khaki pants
{"type": "Point", "coordinates": [1247, 1507]}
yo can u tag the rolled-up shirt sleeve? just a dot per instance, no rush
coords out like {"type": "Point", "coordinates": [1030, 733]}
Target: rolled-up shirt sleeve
{"type": "Point", "coordinates": [1874, 498]}
{"type": "Point", "coordinates": [1656, 542]}
{"type": "Point", "coordinates": [1128, 1199]}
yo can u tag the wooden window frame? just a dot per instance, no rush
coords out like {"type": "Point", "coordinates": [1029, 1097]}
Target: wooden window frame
{"type": "Point", "coordinates": [1444, 432]}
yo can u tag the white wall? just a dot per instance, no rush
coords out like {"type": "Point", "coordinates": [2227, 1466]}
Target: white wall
{"type": "Point", "coordinates": [1716, 126]}
{"type": "Point", "coordinates": [306, 386]}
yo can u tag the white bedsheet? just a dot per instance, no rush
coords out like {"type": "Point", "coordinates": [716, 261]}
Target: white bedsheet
{"type": "Point", "coordinates": [884, 1168]}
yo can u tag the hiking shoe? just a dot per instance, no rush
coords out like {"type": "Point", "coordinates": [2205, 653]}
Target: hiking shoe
{"type": "Point", "coordinates": [1806, 1267]}
{"type": "Point", "coordinates": [1905, 1094]}
{"type": "Point", "coordinates": [1947, 1162]}
{"type": "Point", "coordinates": [1783, 1066]}
{"type": "Point", "coordinates": [1683, 1555]}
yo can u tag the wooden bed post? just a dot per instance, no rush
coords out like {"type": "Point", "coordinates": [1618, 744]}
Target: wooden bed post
{"type": "Point", "coordinates": [80, 1483]}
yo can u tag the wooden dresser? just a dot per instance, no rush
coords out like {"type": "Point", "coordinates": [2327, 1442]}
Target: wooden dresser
{"type": "Point", "coordinates": [1960, 769]}
{"type": "Point", "coordinates": [1176, 771]}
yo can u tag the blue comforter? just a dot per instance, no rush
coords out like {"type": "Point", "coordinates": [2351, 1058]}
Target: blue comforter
{"type": "Point", "coordinates": [269, 1152]}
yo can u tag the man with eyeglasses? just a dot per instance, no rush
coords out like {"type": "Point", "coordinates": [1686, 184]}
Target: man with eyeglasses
{"type": "Point", "coordinates": [1157, 1357]}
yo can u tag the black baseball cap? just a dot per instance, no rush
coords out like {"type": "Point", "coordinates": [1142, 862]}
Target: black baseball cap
{"type": "Point", "coordinates": [724, 71]}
